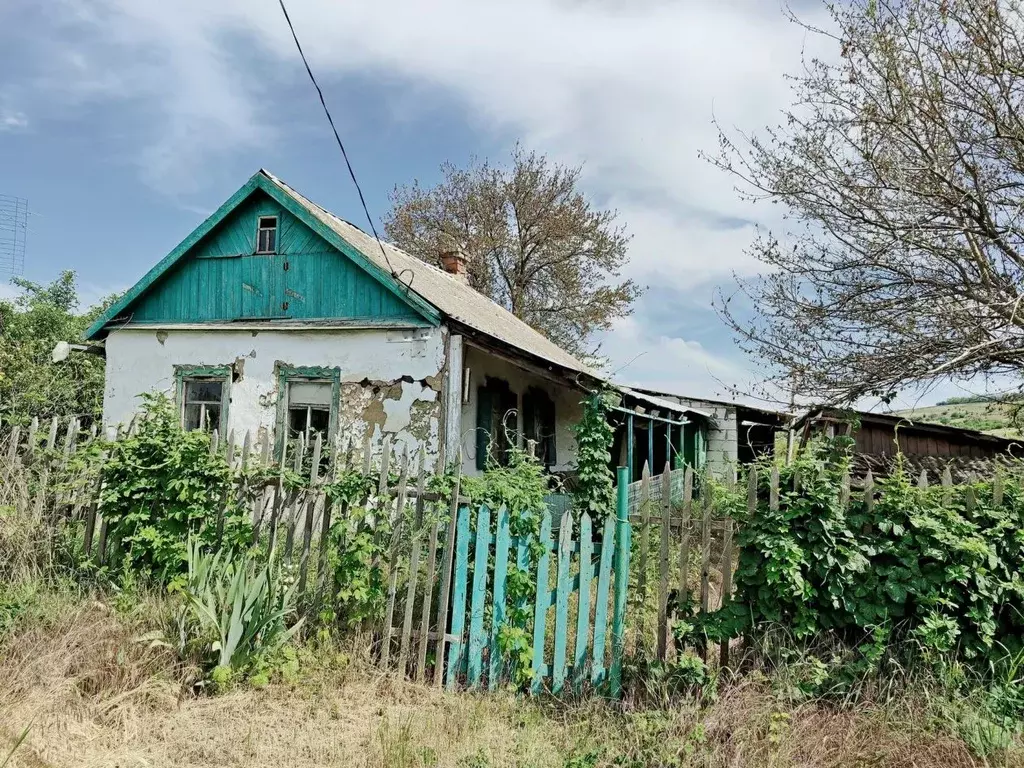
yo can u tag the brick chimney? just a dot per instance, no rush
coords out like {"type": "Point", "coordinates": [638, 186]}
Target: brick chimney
{"type": "Point", "coordinates": [456, 263]}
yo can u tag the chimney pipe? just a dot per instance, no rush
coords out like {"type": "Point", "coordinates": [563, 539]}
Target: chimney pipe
{"type": "Point", "coordinates": [456, 263]}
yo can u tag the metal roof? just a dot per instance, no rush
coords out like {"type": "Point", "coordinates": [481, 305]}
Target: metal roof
{"type": "Point", "coordinates": [657, 402]}
{"type": "Point", "coordinates": [905, 423]}
{"type": "Point", "coordinates": [448, 294]}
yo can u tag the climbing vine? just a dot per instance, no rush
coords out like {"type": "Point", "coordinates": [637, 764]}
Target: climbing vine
{"type": "Point", "coordinates": [595, 492]}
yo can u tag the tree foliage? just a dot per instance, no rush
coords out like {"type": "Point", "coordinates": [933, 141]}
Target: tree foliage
{"type": "Point", "coordinates": [534, 243]}
{"type": "Point", "coordinates": [900, 169]}
{"type": "Point", "coordinates": [30, 325]}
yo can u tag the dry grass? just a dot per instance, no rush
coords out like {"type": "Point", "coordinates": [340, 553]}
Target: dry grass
{"type": "Point", "coordinates": [98, 696]}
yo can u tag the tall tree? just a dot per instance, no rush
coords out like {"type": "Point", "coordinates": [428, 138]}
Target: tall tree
{"type": "Point", "coordinates": [30, 325]}
{"type": "Point", "coordinates": [900, 169]}
{"type": "Point", "coordinates": [534, 243]}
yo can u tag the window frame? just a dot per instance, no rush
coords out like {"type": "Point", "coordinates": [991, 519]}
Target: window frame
{"type": "Point", "coordinates": [219, 373]}
{"type": "Point", "coordinates": [260, 228]}
{"type": "Point", "coordinates": [286, 374]}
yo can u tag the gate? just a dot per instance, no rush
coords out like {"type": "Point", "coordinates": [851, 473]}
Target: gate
{"type": "Point", "coordinates": [581, 572]}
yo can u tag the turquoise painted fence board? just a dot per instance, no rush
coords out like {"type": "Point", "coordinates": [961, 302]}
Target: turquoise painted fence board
{"type": "Point", "coordinates": [477, 638]}
{"type": "Point", "coordinates": [604, 581]}
{"type": "Point", "coordinates": [622, 544]}
{"type": "Point", "coordinates": [221, 279]}
{"type": "Point", "coordinates": [541, 605]}
{"type": "Point", "coordinates": [502, 541]}
{"type": "Point", "coordinates": [460, 575]}
{"type": "Point", "coordinates": [562, 590]}
{"type": "Point", "coordinates": [579, 663]}
{"type": "Point", "coordinates": [487, 596]}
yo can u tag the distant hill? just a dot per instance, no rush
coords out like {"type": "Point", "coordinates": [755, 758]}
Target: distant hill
{"type": "Point", "coordinates": [980, 413]}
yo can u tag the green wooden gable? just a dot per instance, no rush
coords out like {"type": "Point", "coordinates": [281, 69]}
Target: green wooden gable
{"type": "Point", "coordinates": [215, 275]}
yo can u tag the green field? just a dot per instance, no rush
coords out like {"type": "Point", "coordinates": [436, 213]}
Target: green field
{"type": "Point", "coordinates": [994, 418]}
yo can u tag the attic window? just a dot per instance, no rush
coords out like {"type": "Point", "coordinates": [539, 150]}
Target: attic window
{"type": "Point", "coordinates": [266, 235]}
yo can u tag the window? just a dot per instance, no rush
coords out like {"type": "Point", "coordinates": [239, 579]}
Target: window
{"type": "Point", "coordinates": [307, 403]}
{"type": "Point", "coordinates": [202, 403]}
{"type": "Point", "coordinates": [497, 422]}
{"type": "Point", "coordinates": [266, 235]}
{"type": "Point", "coordinates": [539, 425]}
{"type": "Point", "coordinates": [309, 407]}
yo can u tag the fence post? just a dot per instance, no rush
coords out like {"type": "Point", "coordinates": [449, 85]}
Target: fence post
{"type": "Point", "coordinates": [666, 513]}
{"type": "Point", "coordinates": [622, 543]}
{"type": "Point", "coordinates": [645, 543]}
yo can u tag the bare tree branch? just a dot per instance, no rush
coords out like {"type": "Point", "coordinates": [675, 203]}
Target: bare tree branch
{"type": "Point", "coordinates": [900, 167]}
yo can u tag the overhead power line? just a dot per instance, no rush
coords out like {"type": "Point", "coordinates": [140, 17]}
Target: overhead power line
{"type": "Point", "coordinates": [337, 138]}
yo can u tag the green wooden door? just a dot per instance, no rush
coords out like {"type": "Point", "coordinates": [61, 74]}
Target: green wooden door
{"type": "Point", "coordinates": [263, 286]}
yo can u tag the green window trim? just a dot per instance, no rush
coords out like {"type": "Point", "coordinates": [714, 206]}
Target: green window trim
{"type": "Point", "coordinates": [219, 372]}
{"type": "Point", "coordinates": [289, 373]}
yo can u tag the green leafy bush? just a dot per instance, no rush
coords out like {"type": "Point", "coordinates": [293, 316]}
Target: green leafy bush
{"type": "Point", "coordinates": [358, 560]}
{"type": "Point", "coordinates": [935, 568]}
{"type": "Point", "coordinates": [162, 486]}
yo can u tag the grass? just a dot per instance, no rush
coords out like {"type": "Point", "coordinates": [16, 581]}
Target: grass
{"type": "Point", "coordinates": [992, 417]}
{"type": "Point", "coordinates": [80, 669]}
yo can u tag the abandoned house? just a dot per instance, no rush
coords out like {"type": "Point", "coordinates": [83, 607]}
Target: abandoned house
{"type": "Point", "coordinates": [276, 317]}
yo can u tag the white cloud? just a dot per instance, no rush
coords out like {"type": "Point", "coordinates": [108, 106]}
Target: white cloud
{"type": "Point", "coordinates": [630, 89]}
{"type": "Point", "coordinates": [8, 291]}
{"type": "Point", "coordinates": [642, 356]}
{"type": "Point", "coordinates": [12, 120]}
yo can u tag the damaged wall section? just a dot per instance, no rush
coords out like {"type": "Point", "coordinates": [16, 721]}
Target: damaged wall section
{"type": "Point", "coordinates": [391, 380]}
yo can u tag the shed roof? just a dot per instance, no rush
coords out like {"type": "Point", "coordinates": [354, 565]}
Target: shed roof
{"type": "Point", "coordinates": [908, 424]}
{"type": "Point", "coordinates": [448, 294]}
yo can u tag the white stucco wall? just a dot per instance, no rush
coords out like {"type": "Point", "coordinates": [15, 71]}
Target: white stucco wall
{"type": "Point", "coordinates": [391, 379]}
{"type": "Point", "coordinates": [567, 406]}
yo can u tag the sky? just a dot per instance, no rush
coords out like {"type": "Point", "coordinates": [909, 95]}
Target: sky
{"type": "Point", "coordinates": [126, 122]}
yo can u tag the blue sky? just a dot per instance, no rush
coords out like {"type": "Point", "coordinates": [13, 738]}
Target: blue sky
{"type": "Point", "coordinates": [126, 122]}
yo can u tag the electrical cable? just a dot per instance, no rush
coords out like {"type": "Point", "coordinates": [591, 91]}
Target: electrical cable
{"type": "Point", "coordinates": [337, 138]}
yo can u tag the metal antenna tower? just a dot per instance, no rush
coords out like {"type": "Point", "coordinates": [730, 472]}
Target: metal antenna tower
{"type": "Point", "coordinates": [13, 229]}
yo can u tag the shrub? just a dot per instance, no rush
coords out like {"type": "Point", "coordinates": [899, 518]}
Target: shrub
{"type": "Point", "coordinates": [162, 486]}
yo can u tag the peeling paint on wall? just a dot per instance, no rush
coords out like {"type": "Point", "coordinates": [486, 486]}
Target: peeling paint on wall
{"type": "Point", "coordinates": [387, 389]}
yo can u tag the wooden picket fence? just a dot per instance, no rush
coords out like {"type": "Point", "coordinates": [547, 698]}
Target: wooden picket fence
{"type": "Point", "coordinates": [39, 474]}
{"type": "Point", "coordinates": [578, 578]}
{"type": "Point", "coordinates": [685, 558]}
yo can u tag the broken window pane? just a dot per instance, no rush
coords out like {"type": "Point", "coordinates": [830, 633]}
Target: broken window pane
{"type": "Point", "coordinates": [202, 416]}
{"type": "Point", "coordinates": [202, 404]}
{"type": "Point", "coordinates": [309, 407]}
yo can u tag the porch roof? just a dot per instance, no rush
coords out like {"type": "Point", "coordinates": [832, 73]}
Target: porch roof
{"type": "Point", "coordinates": [658, 403]}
